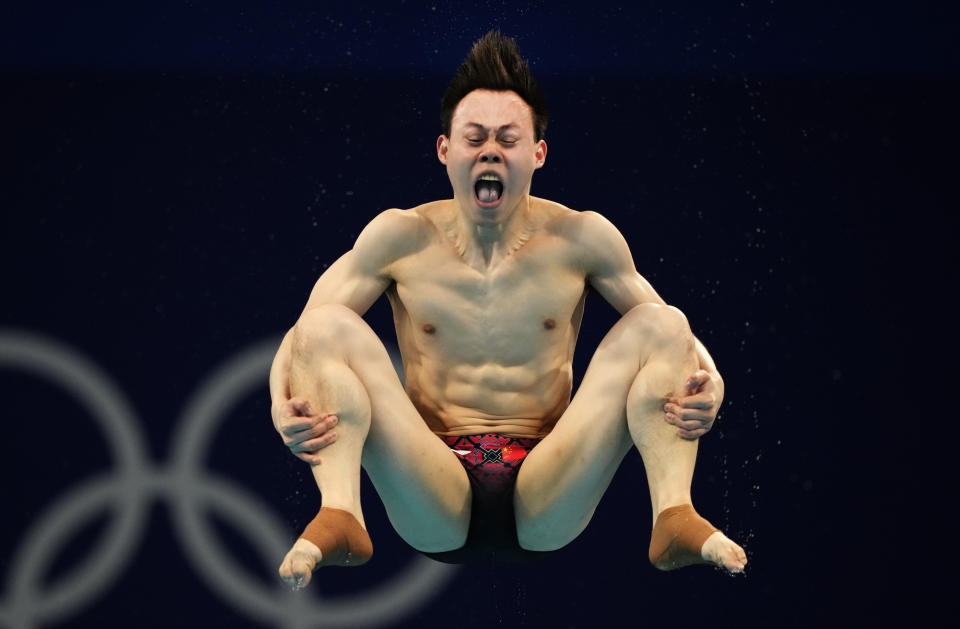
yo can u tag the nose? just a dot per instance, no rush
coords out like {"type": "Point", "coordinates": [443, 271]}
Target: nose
{"type": "Point", "coordinates": [489, 156]}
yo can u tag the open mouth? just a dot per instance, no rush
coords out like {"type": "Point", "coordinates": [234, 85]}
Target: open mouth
{"type": "Point", "coordinates": [488, 188]}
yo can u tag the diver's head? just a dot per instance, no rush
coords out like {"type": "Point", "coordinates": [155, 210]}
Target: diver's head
{"type": "Point", "coordinates": [494, 117]}
{"type": "Point", "coordinates": [494, 63]}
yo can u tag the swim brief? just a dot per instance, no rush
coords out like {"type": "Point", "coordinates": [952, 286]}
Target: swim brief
{"type": "Point", "coordinates": [492, 462]}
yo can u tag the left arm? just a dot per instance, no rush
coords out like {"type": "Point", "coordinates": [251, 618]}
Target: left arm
{"type": "Point", "coordinates": [610, 270]}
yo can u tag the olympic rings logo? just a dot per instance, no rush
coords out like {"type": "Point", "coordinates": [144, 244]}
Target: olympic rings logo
{"type": "Point", "coordinates": [187, 488]}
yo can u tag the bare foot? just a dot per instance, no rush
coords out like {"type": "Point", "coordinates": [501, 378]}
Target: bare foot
{"type": "Point", "coordinates": [298, 565]}
{"type": "Point", "coordinates": [724, 552]}
{"type": "Point", "coordinates": [681, 537]}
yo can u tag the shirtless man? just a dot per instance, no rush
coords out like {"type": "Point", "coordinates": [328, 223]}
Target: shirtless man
{"type": "Point", "coordinates": [487, 291]}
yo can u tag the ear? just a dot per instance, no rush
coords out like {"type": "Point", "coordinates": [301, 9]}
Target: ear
{"type": "Point", "coordinates": [541, 153]}
{"type": "Point", "coordinates": [443, 143]}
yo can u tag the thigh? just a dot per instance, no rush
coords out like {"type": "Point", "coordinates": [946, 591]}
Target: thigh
{"type": "Point", "coordinates": [421, 483]}
{"type": "Point", "coordinates": [562, 481]}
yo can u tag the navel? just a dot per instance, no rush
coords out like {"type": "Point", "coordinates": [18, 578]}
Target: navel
{"type": "Point", "coordinates": [429, 328]}
{"type": "Point", "coordinates": [549, 324]}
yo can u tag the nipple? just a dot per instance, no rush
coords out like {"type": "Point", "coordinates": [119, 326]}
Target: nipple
{"type": "Point", "coordinates": [429, 328]}
{"type": "Point", "coordinates": [549, 324]}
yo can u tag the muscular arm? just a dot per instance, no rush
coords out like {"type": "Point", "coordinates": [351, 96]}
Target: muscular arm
{"type": "Point", "coordinates": [611, 271]}
{"type": "Point", "coordinates": [356, 280]}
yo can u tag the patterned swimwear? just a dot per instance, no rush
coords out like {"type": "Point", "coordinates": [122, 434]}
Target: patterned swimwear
{"type": "Point", "coordinates": [492, 462]}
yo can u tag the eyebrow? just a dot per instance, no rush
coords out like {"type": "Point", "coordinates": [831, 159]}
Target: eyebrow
{"type": "Point", "coordinates": [483, 128]}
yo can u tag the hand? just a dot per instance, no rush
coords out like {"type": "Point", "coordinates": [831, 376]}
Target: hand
{"type": "Point", "coordinates": [304, 432]}
{"type": "Point", "coordinates": [694, 413]}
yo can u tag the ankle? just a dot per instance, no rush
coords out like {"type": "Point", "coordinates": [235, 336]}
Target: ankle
{"type": "Point", "coordinates": [351, 507]}
{"type": "Point", "coordinates": [662, 503]}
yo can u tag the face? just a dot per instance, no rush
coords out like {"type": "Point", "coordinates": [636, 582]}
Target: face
{"type": "Point", "coordinates": [491, 154]}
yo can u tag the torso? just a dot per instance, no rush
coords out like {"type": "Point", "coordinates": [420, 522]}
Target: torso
{"type": "Point", "coordinates": [490, 349]}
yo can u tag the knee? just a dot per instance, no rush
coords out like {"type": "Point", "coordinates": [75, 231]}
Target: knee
{"type": "Point", "coordinates": [324, 328]}
{"type": "Point", "coordinates": [439, 535]}
{"type": "Point", "coordinates": [661, 326]}
{"type": "Point", "coordinates": [544, 529]}
{"type": "Point", "coordinates": [542, 539]}
{"type": "Point", "coordinates": [437, 543]}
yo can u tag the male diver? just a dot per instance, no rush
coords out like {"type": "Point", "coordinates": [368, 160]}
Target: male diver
{"type": "Point", "coordinates": [481, 452]}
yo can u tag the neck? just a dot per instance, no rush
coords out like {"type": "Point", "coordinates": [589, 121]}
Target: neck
{"type": "Point", "coordinates": [489, 243]}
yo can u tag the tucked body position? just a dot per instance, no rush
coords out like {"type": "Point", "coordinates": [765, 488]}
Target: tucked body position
{"type": "Point", "coordinates": [481, 452]}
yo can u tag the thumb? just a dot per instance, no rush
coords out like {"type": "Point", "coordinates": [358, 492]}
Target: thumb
{"type": "Point", "coordinates": [697, 380]}
{"type": "Point", "coordinates": [303, 407]}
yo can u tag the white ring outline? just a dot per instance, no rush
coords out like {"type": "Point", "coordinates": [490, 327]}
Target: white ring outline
{"type": "Point", "coordinates": [134, 485]}
{"type": "Point", "coordinates": [106, 404]}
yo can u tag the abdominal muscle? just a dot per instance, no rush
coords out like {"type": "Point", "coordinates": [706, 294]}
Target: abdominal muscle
{"type": "Point", "coordinates": [517, 401]}
{"type": "Point", "coordinates": [489, 350]}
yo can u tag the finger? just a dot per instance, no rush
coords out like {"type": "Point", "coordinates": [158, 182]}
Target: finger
{"type": "Point", "coordinates": [301, 406]}
{"type": "Point", "coordinates": [295, 428]}
{"type": "Point", "coordinates": [687, 424]}
{"type": "Point", "coordinates": [697, 380]}
{"type": "Point", "coordinates": [691, 435]}
{"type": "Point", "coordinates": [313, 445]}
{"type": "Point", "coordinates": [694, 408]}
{"type": "Point", "coordinates": [687, 414]}
{"type": "Point", "coordinates": [690, 414]}
{"type": "Point", "coordinates": [701, 400]}
{"type": "Point", "coordinates": [307, 457]}
{"type": "Point", "coordinates": [298, 438]}
{"type": "Point", "coordinates": [691, 424]}
{"type": "Point", "coordinates": [319, 427]}
{"type": "Point", "coordinates": [310, 437]}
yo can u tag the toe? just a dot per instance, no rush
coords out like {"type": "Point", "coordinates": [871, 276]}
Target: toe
{"type": "Point", "coordinates": [286, 572]}
{"type": "Point", "coordinates": [737, 560]}
{"type": "Point", "coordinates": [302, 571]}
{"type": "Point", "coordinates": [296, 569]}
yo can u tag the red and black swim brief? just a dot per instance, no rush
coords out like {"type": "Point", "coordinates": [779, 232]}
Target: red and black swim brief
{"type": "Point", "coordinates": [492, 462]}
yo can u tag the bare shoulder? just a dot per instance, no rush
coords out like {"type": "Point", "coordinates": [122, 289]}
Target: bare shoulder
{"type": "Point", "coordinates": [438, 220]}
{"type": "Point", "coordinates": [391, 235]}
{"type": "Point", "coordinates": [575, 223]}
{"type": "Point", "coordinates": [434, 214]}
{"type": "Point", "coordinates": [596, 228]}
{"type": "Point", "coordinates": [595, 240]}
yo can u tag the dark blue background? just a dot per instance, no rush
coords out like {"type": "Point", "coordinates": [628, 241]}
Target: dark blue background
{"type": "Point", "coordinates": [175, 179]}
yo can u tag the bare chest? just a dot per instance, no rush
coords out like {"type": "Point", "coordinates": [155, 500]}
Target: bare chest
{"type": "Point", "coordinates": [508, 315]}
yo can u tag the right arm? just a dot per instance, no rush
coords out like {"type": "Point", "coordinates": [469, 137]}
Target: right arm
{"type": "Point", "coordinates": [356, 280]}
